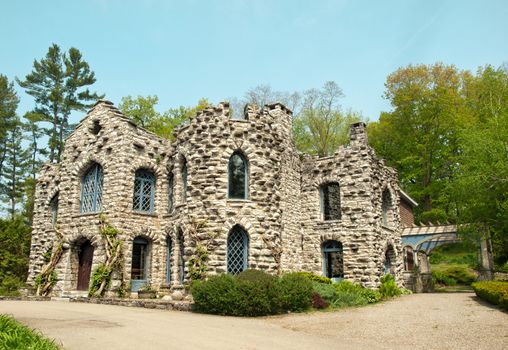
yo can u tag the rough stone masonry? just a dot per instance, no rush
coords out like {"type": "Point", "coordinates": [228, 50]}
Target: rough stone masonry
{"type": "Point", "coordinates": [336, 216]}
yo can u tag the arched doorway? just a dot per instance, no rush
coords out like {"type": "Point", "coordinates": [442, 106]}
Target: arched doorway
{"type": "Point", "coordinates": [85, 257]}
{"type": "Point", "coordinates": [333, 260]}
{"type": "Point", "coordinates": [139, 265]}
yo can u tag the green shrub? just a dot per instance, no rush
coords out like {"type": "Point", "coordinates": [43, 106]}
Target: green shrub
{"type": "Point", "coordinates": [10, 285]}
{"type": "Point", "coordinates": [494, 292]}
{"type": "Point", "coordinates": [326, 291]}
{"type": "Point", "coordinates": [344, 299]}
{"type": "Point", "coordinates": [315, 278]}
{"type": "Point", "coordinates": [252, 293]}
{"type": "Point", "coordinates": [14, 335]}
{"type": "Point", "coordinates": [295, 292]}
{"type": "Point", "coordinates": [217, 295]}
{"type": "Point", "coordinates": [441, 277]}
{"type": "Point", "coordinates": [370, 295]}
{"type": "Point", "coordinates": [388, 287]}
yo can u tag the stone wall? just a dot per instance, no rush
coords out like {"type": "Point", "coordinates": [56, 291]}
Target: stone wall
{"type": "Point", "coordinates": [281, 214]}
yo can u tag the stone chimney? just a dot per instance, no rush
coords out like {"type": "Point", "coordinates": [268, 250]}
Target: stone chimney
{"type": "Point", "coordinates": [358, 134]}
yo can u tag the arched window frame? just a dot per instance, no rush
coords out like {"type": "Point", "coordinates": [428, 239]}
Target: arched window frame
{"type": "Point", "coordinates": [91, 189]}
{"type": "Point", "coordinates": [144, 191]}
{"type": "Point", "coordinates": [245, 176]}
{"type": "Point", "coordinates": [237, 250]}
{"type": "Point", "coordinates": [329, 210]}
{"type": "Point", "coordinates": [327, 249]}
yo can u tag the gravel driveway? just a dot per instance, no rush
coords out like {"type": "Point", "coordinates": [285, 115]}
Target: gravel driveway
{"type": "Point", "coordinates": [420, 321]}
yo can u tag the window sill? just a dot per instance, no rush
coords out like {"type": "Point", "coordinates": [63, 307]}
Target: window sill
{"type": "Point", "coordinates": [95, 213]}
{"type": "Point", "coordinates": [238, 200]}
{"type": "Point", "coordinates": [389, 228]}
{"type": "Point", "coordinates": [144, 214]}
{"type": "Point", "coordinates": [337, 221]}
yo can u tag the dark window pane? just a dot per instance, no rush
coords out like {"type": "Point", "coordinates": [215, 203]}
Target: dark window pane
{"type": "Point", "coordinates": [91, 190]}
{"type": "Point", "coordinates": [333, 259]}
{"type": "Point", "coordinates": [139, 257]}
{"type": "Point", "coordinates": [331, 201]}
{"type": "Point", "coordinates": [237, 169]}
{"type": "Point", "coordinates": [144, 191]}
{"type": "Point", "coordinates": [237, 251]}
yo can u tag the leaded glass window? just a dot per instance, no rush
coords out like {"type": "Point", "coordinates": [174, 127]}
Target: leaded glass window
{"type": "Point", "coordinates": [53, 204]}
{"type": "Point", "coordinates": [144, 191]}
{"type": "Point", "coordinates": [238, 177]}
{"type": "Point", "coordinates": [330, 201]}
{"type": "Point", "coordinates": [91, 190]}
{"type": "Point", "coordinates": [184, 180]}
{"type": "Point", "coordinates": [238, 246]}
{"type": "Point", "coordinates": [171, 190]}
{"type": "Point", "coordinates": [333, 260]}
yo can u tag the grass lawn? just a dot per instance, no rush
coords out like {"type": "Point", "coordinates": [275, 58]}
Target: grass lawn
{"type": "Point", "coordinates": [14, 335]}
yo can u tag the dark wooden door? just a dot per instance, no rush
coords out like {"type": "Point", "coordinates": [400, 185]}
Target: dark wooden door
{"type": "Point", "coordinates": [85, 265]}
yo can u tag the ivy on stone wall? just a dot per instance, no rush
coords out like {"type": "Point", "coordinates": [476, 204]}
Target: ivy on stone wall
{"type": "Point", "coordinates": [197, 263]}
{"type": "Point", "coordinates": [101, 277]}
{"type": "Point", "coordinates": [47, 278]}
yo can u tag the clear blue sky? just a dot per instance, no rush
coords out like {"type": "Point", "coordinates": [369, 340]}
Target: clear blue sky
{"type": "Point", "coordinates": [185, 50]}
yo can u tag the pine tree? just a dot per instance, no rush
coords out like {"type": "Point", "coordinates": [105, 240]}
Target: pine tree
{"type": "Point", "coordinates": [15, 168]}
{"type": "Point", "coordinates": [8, 105]}
{"type": "Point", "coordinates": [57, 83]}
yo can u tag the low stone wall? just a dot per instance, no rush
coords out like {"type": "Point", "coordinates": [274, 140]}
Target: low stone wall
{"type": "Point", "coordinates": [146, 303]}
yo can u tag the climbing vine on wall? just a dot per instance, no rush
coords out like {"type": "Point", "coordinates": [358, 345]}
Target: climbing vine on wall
{"type": "Point", "coordinates": [197, 262]}
{"type": "Point", "coordinates": [47, 278]}
{"type": "Point", "coordinates": [101, 277]}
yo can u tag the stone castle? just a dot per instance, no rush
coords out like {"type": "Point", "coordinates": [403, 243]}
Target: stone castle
{"type": "Point", "coordinates": [235, 186]}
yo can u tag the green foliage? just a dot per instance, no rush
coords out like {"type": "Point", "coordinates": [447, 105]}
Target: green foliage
{"type": "Point", "coordinates": [326, 291]}
{"type": "Point", "coordinates": [141, 110]}
{"type": "Point", "coordinates": [14, 252]}
{"type": "Point", "coordinates": [58, 83]}
{"type": "Point", "coordinates": [388, 287]}
{"type": "Point", "coordinates": [494, 292]}
{"type": "Point", "coordinates": [460, 274]}
{"type": "Point", "coordinates": [251, 293]}
{"type": "Point", "coordinates": [295, 292]}
{"type": "Point", "coordinates": [442, 278]}
{"type": "Point", "coordinates": [313, 277]}
{"type": "Point", "coordinates": [197, 263]}
{"type": "Point", "coordinates": [456, 254]}
{"type": "Point", "coordinates": [14, 335]}
{"type": "Point", "coordinates": [101, 274]}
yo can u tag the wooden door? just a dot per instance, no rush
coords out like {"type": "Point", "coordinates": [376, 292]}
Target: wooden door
{"type": "Point", "coordinates": [85, 265]}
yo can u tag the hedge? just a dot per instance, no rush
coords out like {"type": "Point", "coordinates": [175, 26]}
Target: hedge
{"type": "Point", "coordinates": [252, 293]}
{"type": "Point", "coordinates": [493, 292]}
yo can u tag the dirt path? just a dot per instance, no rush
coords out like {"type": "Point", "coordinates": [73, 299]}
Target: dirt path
{"type": "Point", "coordinates": [422, 321]}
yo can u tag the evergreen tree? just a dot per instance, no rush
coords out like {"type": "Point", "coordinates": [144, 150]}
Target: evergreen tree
{"type": "Point", "coordinates": [16, 165]}
{"type": "Point", "coordinates": [57, 83]}
{"type": "Point", "coordinates": [8, 105]}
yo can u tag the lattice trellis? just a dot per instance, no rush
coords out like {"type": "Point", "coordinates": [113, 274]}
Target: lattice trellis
{"type": "Point", "coordinates": [91, 190]}
{"type": "Point", "coordinates": [144, 191]}
{"type": "Point", "coordinates": [238, 243]}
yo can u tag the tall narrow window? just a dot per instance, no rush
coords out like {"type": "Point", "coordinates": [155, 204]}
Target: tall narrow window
{"type": "Point", "coordinates": [386, 206]}
{"type": "Point", "coordinates": [181, 257]}
{"type": "Point", "coordinates": [409, 261]}
{"type": "Point", "coordinates": [333, 260]}
{"type": "Point", "coordinates": [238, 246]}
{"type": "Point", "coordinates": [184, 180]}
{"type": "Point", "coordinates": [330, 201]}
{"type": "Point", "coordinates": [238, 176]}
{"type": "Point", "coordinates": [144, 191]}
{"type": "Point", "coordinates": [91, 190]}
{"type": "Point", "coordinates": [169, 255]}
{"type": "Point", "coordinates": [53, 204]}
{"type": "Point", "coordinates": [389, 262]}
{"type": "Point", "coordinates": [171, 190]}
{"type": "Point", "coordinates": [139, 265]}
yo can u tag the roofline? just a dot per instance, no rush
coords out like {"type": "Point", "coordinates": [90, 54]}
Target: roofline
{"type": "Point", "coordinates": [407, 198]}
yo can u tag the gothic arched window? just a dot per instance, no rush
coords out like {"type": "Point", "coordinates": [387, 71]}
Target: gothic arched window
{"type": "Point", "coordinates": [238, 183]}
{"type": "Point", "coordinates": [238, 247]}
{"type": "Point", "coordinates": [144, 191]}
{"type": "Point", "coordinates": [91, 190]}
